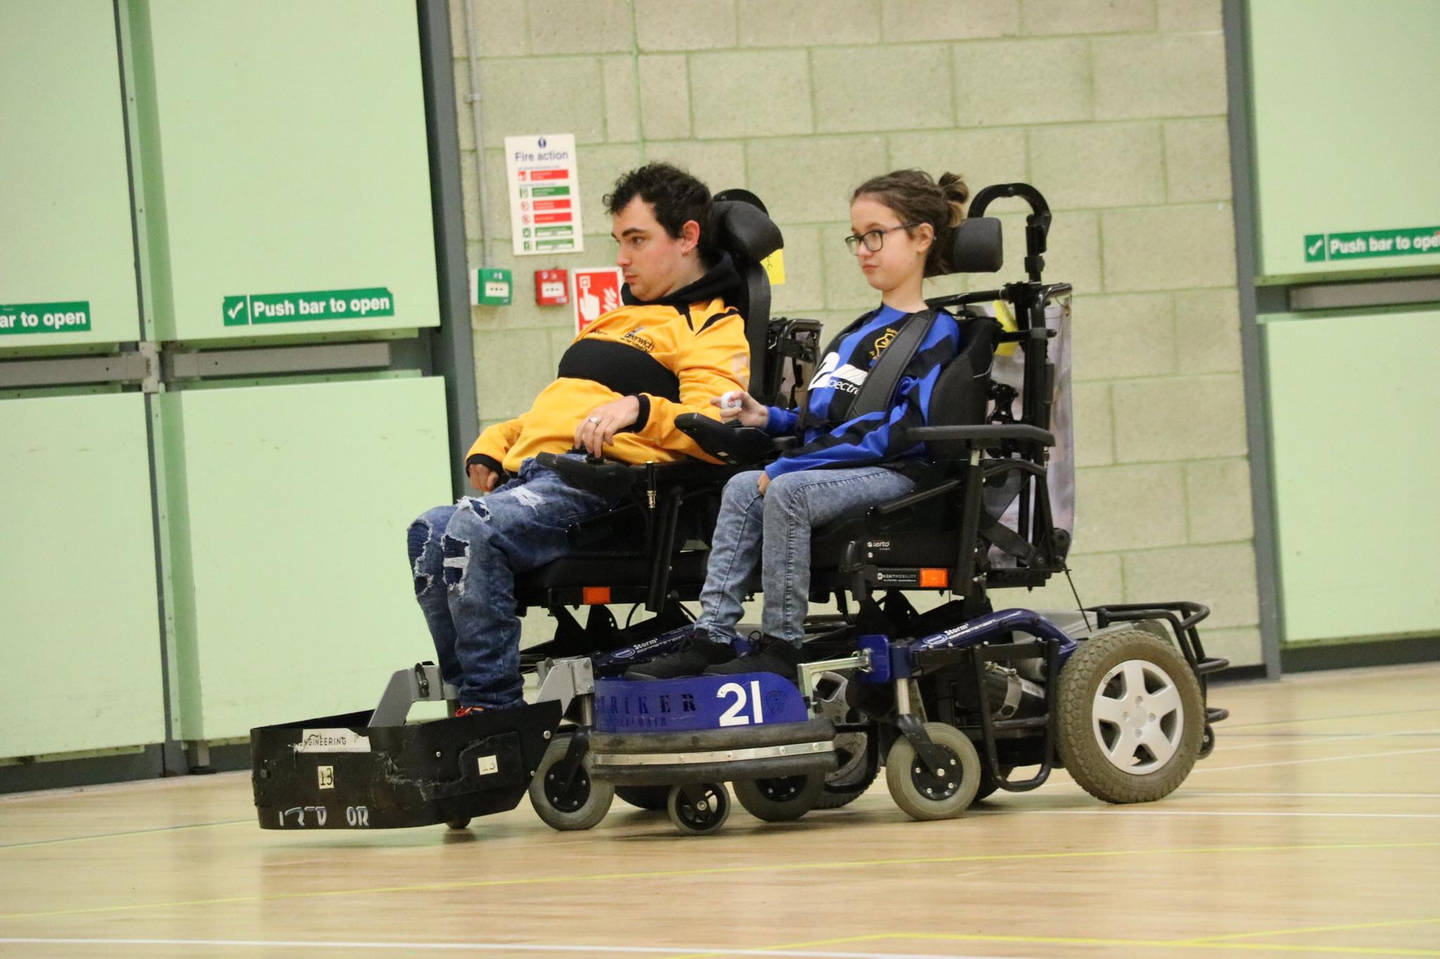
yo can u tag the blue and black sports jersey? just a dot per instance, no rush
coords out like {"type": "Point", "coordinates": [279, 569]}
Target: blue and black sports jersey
{"type": "Point", "coordinates": [831, 438]}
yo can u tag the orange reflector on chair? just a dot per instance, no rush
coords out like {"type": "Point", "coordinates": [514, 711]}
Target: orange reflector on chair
{"type": "Point", "coordinates": [595, 595]}
{"type": "Point", "coordinates": [938, 577]}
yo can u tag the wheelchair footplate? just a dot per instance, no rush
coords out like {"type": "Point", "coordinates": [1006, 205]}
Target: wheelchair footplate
{"type": "Point", "coordinates": [340, 772]}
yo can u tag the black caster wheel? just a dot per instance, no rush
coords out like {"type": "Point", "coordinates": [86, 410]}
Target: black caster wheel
{"type": "Point", "coordinates": [780, 799]}
{"type": "Point", "coordinates": [698, 808]}
{"type": "Point", "coordinates": [644, 797]}
{"type": "Point", "coordinates": [579, 804]}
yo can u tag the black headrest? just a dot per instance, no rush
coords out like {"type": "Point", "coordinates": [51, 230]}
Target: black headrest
{"type": "Point", "coordinates": [976, 246]}
{"type": "Point", "coordinates": [745, 230]}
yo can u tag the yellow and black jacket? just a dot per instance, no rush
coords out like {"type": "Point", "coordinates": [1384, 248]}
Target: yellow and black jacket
{"type": "Point", "coordinates": [674, 355]}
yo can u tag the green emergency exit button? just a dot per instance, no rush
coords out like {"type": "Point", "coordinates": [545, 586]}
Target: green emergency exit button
{"type": "Point", "coordinates": [492, 287]}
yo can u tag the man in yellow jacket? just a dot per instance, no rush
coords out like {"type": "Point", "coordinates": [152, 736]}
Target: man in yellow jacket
{"type": "Point", "coordinates": [669, 348]}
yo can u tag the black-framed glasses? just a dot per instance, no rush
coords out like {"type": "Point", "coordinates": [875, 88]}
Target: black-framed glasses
{"type": "Point", "coordinates": [873, 239]}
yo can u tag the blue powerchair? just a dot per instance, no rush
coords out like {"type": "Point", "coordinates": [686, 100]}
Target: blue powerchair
{"type": "Point", "coordinates": [950, 701]}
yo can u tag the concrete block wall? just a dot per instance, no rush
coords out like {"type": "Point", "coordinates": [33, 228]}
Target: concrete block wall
{"type": "Point", "coordinates": [1115, 109]}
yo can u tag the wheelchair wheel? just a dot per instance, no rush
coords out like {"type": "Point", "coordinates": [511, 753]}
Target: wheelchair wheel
{"type": "Point", "coordinates": [923, 793]}
{"type": "Point", "coordinates": [780, 799]}
{"type": "Point", "coordinates": [1131, 719]}
{"type": "Point", "coordinates": [699, 816]}
{"type": "Point", "coordinates": [859, 765]}
{"type": "Point", "coordinates": [580, 804]}
{"type": "Point", "coordinates": [644, 797]}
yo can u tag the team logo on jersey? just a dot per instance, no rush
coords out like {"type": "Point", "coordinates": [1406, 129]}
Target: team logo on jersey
{"type": "Point", "coordinates": [639, 340]}
{"type": "Point", "coordinates": [882, 341]}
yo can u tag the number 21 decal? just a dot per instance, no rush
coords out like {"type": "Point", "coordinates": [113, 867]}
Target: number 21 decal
{"type": "Point", "coordinates": [734, 715]}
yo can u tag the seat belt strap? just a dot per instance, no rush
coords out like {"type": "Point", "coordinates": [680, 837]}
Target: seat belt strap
{"type": "Point", "coordinates": [879, 387]}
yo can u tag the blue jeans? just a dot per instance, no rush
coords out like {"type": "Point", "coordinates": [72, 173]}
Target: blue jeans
{"type": "Point", "coordinates": [465, 558]}
{"type": "Point", "coordinates": [775, 530]}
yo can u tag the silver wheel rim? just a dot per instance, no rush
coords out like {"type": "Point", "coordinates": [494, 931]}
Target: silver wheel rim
{"type": "Point", "coordinates": [1137, 717]}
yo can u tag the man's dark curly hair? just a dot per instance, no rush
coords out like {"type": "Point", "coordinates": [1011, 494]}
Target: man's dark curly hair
{"type": "Point", "coordinates": [676, 196]}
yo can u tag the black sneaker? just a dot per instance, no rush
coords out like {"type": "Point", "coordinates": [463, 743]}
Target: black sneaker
{"type": "Point", "coordinates": [767, 655]}
{"type": "Point", "coordinates": [690, 658]}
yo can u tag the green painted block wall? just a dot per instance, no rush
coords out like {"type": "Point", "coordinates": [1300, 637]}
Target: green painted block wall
{"type": "Point", "coordinates": [79, 615]}
{"type": "Point", "coordinates": [65, 233]}
{"type": "Point", "coordinates": [287, 511]}
{"type": "Point", "coordinates": [1355, 409]}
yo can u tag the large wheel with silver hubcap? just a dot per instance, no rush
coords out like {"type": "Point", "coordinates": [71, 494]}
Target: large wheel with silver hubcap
{"type": "Point", "coordinates": [579, 804]}
{"type": "Point", "coordinates": [1131, 718]}
{"type": "Point", "coordinates": [926, 793]}
{"type": "Point", "coordinates": [699, 815]}
{"type": "Point", "coordinates": [780, 798]}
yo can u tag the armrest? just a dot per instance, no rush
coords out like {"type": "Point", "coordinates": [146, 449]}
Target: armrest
{"type": "Point", "coordinates": [983, 435]}
{"type": "Point", "coordinates": [605, 477]}
{"type": "Point", "coordinates": [729, 443]}
{"type": "Point", "coordinates": [615, 479]}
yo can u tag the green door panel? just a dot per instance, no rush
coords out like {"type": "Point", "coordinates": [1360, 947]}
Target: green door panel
{"type": "Point", "coordinates": [1346, 100]}
{"type": "Point", "coordinates": [1354, 412]}
{"type": "Point", "coordinates": [79, 618]}
{"type": "Point", "coordinates": [67, 255]}
{"type": "Point", "coordinates": [290, 149]}
{"type": "Point", "coordinates": [288, 507]}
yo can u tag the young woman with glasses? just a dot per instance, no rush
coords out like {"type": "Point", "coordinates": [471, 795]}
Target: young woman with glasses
{"type": "Point", "coordinates": [901, 224]}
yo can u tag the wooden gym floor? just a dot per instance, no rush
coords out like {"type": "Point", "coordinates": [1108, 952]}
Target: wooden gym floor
{"type": "Point", "coordinates": [1314, 829]}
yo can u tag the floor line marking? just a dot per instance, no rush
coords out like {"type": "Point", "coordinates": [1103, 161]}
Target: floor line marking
{"type": "Point", "coordinates": [801, 949]}
{"type": "Point", "coordinates": [1172, 944]}
{"type": "Point", "coordinates": [1317, 759]}
{"type": "Point", "coordinates": [121, 835]}
{"type": "Point", "coordinates": [798, 950]}
{"type": "Point", "coordinates": [1326, 719]}
{"type": "Point", "coordinates": [1349, 927]}
{"type": "Point", "coordinates": [1279, 795]}
{"type": "Point", "coordinates": [722, 870]}
{"type": "Point", "coordinates": [492, 947]}
{"type": "Point", "coordinates": [1292, 743]}
{"type": "Point", "coordinates": [1231, 812]}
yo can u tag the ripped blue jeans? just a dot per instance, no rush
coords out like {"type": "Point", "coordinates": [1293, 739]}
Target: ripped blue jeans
{"type": "Point", "coordinates": [465, 558]}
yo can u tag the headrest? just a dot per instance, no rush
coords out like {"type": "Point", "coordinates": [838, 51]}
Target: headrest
{"type": "Point", "coordinates": [745, 230]}
{"type": "Point", "coordinates": [976, 246]}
